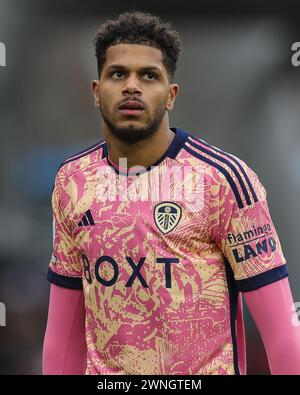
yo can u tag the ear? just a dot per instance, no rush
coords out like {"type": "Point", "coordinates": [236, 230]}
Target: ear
{"type": "Point", "coordinates": [96, 92]}
{"type": "Point", "coordinates": [173, 92]}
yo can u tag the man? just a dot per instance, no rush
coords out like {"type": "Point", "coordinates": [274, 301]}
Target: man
{"type": "Point", "coordinates": [151, 256]}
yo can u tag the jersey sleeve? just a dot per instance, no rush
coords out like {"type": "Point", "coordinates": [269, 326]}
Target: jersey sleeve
{"type": "Point", "coordinates": [244, 230]}
{"type": "Point", "coordinates": [65, 268]}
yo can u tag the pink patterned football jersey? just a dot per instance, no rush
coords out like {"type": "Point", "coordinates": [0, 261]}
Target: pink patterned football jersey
{"type": "Point", "coordinates": [163, 255]}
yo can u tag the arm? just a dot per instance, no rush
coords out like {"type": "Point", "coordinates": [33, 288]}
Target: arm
{"type": "Point", "coordinates": [271, 308]}
{"type": "Point", "coordinates": [64, 350]}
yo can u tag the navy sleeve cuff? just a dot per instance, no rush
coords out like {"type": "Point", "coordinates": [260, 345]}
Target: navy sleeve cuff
{"type": "Point", "coordinates": [269, 277]}
{"type": "Point", "coordinates": [64, 281]}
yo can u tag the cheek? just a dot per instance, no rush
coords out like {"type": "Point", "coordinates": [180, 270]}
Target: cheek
{"type": "Point", "coordinates": [107, 95]}
{"type": "Point", "coordinates": [160, 101]}
{"type": "Point", "coordinates": [106, 99]}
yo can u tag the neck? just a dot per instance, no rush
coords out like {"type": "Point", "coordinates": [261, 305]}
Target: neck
{"type": "Point", "coordinates": [142, 153]}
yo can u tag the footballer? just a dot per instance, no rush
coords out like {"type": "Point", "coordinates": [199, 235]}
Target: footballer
{"type": "Point", "coordinates": [158, 235]}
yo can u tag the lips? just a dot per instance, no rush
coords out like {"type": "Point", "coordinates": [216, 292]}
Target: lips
{"type": "Point", "coordinates": [131, 105]}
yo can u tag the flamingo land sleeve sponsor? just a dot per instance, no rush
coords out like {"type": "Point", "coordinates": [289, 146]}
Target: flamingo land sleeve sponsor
{"type": "Point", "coordinates": [251, 243]}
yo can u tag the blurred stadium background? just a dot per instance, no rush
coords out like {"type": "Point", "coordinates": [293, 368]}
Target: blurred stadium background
{"type": "Point", "coordinates": [239, 91]}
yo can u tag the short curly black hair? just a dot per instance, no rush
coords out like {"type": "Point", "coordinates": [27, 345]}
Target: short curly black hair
{"type": "Point", "coordinates": [137, 27]}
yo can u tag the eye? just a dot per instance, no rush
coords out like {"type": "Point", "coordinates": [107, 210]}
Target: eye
{"type": "Point", "coordinates": [117, 75]}
{"type": "Point", "coordinates": [150, 76]}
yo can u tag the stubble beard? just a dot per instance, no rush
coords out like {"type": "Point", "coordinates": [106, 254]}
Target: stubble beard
{"type": "Point", "coordinates": [132, 134]}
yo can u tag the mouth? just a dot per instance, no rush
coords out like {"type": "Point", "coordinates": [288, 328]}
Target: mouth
{"type": "Point", "coordinates": [131, 108]}
{"type": "Point", "coordinates": [131, 112]}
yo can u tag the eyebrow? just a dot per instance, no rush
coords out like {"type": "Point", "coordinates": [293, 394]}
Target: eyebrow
{"type": "Point", "coordinates": [144, 68]}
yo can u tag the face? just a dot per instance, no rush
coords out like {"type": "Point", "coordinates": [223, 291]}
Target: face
{"type": "Point", "coordinates": [134, 92]}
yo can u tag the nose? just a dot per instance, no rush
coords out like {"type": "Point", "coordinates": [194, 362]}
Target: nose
{"type": "Point", "coordinates": [132, 85]}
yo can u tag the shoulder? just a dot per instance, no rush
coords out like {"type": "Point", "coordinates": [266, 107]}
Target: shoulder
{"type": "Point", "coordinates": [226, 170]}
{"type": "Point", "coordinates": [80, 161]}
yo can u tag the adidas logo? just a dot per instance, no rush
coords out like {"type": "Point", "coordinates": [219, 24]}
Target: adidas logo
{"type": "Point", "coordinates": [87, 219]}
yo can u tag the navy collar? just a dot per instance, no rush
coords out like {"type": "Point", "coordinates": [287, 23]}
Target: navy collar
{"type": "Point", "coordinates": [172, 151]}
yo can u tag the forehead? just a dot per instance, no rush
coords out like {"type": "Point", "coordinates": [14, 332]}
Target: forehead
{"type": "Point", "coordinates": [133, 56]}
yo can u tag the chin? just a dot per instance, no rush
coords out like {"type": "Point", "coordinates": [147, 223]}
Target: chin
{"type": "Point", "coordinates": [129, 125]}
